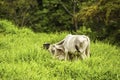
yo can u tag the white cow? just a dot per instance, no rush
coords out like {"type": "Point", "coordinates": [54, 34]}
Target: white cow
{"type": "Point", "coordinates": [71, 44]}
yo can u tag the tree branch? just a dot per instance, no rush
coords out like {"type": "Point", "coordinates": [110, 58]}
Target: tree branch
{"type": "Point", "coordinates": [65, 8]}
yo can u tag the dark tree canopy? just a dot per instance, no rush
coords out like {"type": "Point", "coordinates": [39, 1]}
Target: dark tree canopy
{"type": "Point", "coordinates": [101, 16]}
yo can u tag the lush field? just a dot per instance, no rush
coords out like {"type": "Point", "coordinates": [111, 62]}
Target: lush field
{"type": "Point", "coordinates": [22, 57]}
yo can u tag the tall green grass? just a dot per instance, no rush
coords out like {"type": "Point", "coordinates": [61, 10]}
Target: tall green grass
{"type": "Point", "coordinates": [22, 57]}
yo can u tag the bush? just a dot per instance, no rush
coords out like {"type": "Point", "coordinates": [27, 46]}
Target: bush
{"type": "Point", "coordinates": [7, 27]}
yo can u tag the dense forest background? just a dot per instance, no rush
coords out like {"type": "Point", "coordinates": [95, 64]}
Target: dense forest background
{"type": "Point", "coordinates": [100, 19]}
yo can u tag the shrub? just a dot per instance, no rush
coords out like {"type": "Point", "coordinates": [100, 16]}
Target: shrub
{"type": "Point", "coordinates": [7, 27]}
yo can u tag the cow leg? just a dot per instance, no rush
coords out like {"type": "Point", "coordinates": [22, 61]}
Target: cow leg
{"type": "Point", "coordinates": [83, 55]}
{"type": "Point", "coordinates": [70, 56]}
{"type": "Point", "coordinates": [83, 50]}
{"type": "Point", "coordinates": [77, 56]}
{"type": "Point", "coordinates": [66, 55]}
{"type": "Point", "coordinates": [87, 51]}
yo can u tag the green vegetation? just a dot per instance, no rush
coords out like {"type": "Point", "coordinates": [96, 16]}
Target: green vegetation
{"type": "Point", "coordinates": [22, 57]}
{"type": "Point", "coordinates": [101, 16]}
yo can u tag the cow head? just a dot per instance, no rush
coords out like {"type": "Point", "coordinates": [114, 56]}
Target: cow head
{"type": "Point", "coordinates": [57, 51]}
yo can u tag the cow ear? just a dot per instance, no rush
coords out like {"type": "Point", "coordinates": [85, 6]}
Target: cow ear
{"type": "Point", "coordinates": [46, 45]}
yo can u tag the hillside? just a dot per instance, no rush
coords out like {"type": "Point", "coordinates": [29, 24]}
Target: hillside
{"type": "Point", "coordinates": [22, 57]}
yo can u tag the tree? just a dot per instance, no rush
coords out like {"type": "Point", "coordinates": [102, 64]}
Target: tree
{"type": "Point", "coordinates": [102, 17]}
{"type": "Point", "coordinates": [72, 13]}
{"type": "Point", "coordinates": [19, 11]}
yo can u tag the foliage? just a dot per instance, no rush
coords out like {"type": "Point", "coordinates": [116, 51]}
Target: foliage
{"type": "Point", "coordinates": [18, 11]}
{"type": "Point", "coordinates": [83, 30]}
{"type": "Point", "coordinates": [23, 58]}
{"type": "Point", "coordinates": [7, 27]}
{"type": "Point", "coordinates": [101, 16]}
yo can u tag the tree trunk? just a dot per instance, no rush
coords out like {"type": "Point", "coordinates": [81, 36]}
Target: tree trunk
{"type": "Point", "coordinates": [75, 24]}
{"type": "Point", "coordinates": [73, 15]}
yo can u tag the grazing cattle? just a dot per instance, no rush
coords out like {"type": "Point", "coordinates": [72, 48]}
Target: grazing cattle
{"type": "Point", "coordinates": [71, 45]}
